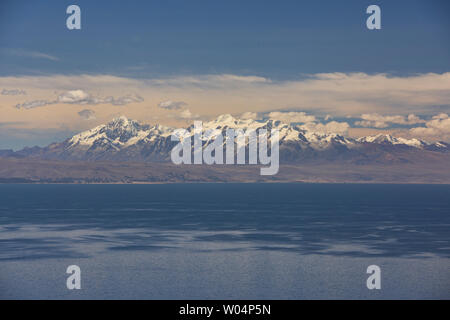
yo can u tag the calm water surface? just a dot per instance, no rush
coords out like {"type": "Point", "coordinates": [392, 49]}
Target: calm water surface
{"type": "Point", "coordinates": [224, 241]}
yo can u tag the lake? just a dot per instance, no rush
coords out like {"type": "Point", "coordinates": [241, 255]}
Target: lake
{"type": "Point", "coordinates": [225, 241]}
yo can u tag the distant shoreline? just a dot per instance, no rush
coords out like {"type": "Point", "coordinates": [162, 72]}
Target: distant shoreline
{"type": "Point", "coordinates": [242, 182]}
{"type": "Point", "coordinates": [38, 171]}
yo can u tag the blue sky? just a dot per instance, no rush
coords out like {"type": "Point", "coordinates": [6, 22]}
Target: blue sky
{"type": "Point", "coordinates": [276, 39]}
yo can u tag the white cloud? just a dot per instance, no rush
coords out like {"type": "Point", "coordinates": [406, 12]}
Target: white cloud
{"type": "Point", "coordinates": [310, 122]}
{"type": "Point", "coordinates": [209, 81]}
{"type": "Point", "coordinates": [30, 54]}
{"type": "Point", "coordinates": [233, 78]}
{"type": "Point", "coordinates": [40, 55]}
{"type": "Point", "coordinates": [172, 105]}
{"type": "Point", "coordinates": [339, 94]}
{"type": "Point", "coordinates": [375, 120]}
{"type": "Point", "coordinates": [438, 128]}
{"type": "Point", "coordinates": [249, 115]}
{"type": "Point", "coordinates": [187, 114]}
{"type": "Point", "coordinates": [177, 110]}
{"type": "Point", "coordinates": [81, 97]}
{"type": "Point", "coordinates": [291, 117]}
{"type": "Point", "coordinates": [74, 96]}
{"type": "Point", "coordinates": [120, 101]}
{"type": "Point", "coordinates": [335, 94]}
{"type": "Point", "coordinates": [329, 127]}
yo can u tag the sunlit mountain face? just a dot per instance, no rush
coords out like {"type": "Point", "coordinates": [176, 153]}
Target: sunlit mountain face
{"type": "Point", "coordinates": [124, 139]}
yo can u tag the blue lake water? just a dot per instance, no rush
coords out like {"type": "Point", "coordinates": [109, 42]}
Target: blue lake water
{"type": "Point", "coordinates": [225, 241]}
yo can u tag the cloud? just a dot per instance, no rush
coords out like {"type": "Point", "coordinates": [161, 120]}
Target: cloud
{"type": "Point", "coordinates": [179, 110]}
{"type": "Point", "coordinates": [187, 114]}
{"type": "Point", "coordinates": [208, 81]}
{"type": "Point", "coordinates": [34, 104]}
{"type": "Point", "coordinates": [172, 105]}
{"type": "Point", "coordinates": [81, 97]}
{"type": "Point", "coordinates": [87, 114]}
{"type": "Point", "coordinates": [237, 78]}
{"type": "Point", "coordinates": [438, 128]}
{"type": "Point", "coordinates": [13, 92]}
{"type": "Point", "coordinates": [41, 55]}
{"type": "Point", "coordinates": [338, 94]}
{"type": "Point", "coordinates": [121, 101]}
{"type": "Point", "coordinates": [249, 115]}
{"type": "Point", "coordinates": [374, 120]}
{"type": "Point", "coordinates": [75, 96]}
{"type": "Point", "coordinates": [335, 94]}
{"type": "Point", "coordinates": [30, 54]}
{"type": "Point", "coordinates": [310, 122]}
{"type": "Point", "coordinates": [329, 127]}
{"type": "Point", "coordinates": [292, 117]}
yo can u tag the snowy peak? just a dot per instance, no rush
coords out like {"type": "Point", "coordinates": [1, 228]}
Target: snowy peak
{"type": "Point", "coordinates": [225, 119]}
{"type": "Point", "coordinates": [123, 129]}
{"type": "Point", "coordinates": [122, 122]}
{"type": "Point", "coordinates": [387, 139]}
{"type": "Point", "coordinates": [228, 121]}
{"type": "Point", "coordinates": [379, 138]}
{"type": "Point", "coordinates": [123, 139]}
{"type": "Point", "coordinates": [119, 132]}
{"type": "Point", "coordinates": [288, 134]}
{"type": "Point", "coordinates": [123, 132]}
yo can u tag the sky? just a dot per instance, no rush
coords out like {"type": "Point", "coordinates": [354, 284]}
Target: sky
{"type": "Point", "coordinates": [174, 61]}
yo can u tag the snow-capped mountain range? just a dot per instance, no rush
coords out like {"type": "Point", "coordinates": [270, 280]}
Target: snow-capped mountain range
{"type": "Point", "coordinates": [123, 139]}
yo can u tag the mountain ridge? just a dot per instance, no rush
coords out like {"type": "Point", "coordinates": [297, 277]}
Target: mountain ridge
{"type": "Point", "coordinates": [124, 139]}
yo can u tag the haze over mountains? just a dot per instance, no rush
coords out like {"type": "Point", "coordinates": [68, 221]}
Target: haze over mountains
{"type": "Point", "coordinates": [128, 142]}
